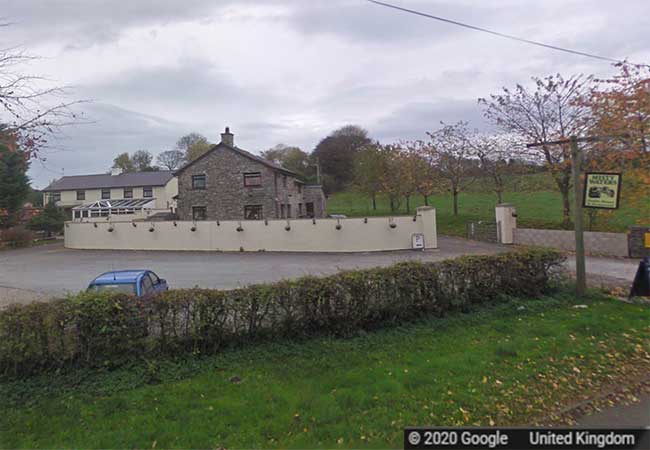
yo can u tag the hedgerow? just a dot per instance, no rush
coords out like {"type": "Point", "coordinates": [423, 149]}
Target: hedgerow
{"type": "Point", "coordinates": [92, 329]}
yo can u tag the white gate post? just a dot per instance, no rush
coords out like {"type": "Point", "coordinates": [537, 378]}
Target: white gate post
{"type": "Point", "coordinates": [506, 217]}
{"type": "Point", "coordinates": [428, 216]}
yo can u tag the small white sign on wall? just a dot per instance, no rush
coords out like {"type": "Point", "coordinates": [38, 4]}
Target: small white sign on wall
{"type": "Point", "coordinates": [417, 241]}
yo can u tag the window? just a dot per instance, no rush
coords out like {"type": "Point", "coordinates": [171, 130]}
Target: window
{"type": "Point", "coordinates": [198, 181]}
{"type": "Point", "coordinates": [128, 192]}
{"type": "Point", "coordinates": [288, 211]}
{"type": "Point", "coordinates": [253, 179]}
{"type": "Point", "coordinates": [55, 197]}
{"type": "Point", "coordinates": [299, 186]}
{"type": "Point", "coordinates": [106, 194]}
{"type": "Point", "coordinates": [199, 213]}
{"type": "Point", "coordinates": [154, 278]}
{"type": "Point", "coordinates": [299, 209]}
{"type": "Point", "coordinates": [126, 288]}
{"type": "Point", "coordinates": [147, 192]}
{"type": "Point", "coordinates": [284, 181]}
{"type": "Point", "coordinates": [253, 212]}
{"type": "Point", "coordinates": [81, 195]}
{"type": "Point", "coordinates": [282, 211]}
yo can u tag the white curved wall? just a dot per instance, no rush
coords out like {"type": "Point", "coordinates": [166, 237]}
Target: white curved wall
{"type": "Point", "coordinates": [355, 235]}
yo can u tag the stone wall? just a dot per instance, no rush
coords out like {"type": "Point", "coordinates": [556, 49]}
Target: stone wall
{"type": "Point", "coordinates": [314, 194]}
{"type": "Point", "coordinates": [637, 242]}
{"type": "Point", "coordinates": [225, 195]}
{"type": "Point", "coordinates": [596, 243]}
{"type": "Point", "coordinates": [301, 235]}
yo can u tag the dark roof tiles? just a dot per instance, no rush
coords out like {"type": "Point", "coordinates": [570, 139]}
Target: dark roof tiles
{"type": "Point", "coordinates": [130, 179]}
{"type": "Point", "coordinates": [242, 152]}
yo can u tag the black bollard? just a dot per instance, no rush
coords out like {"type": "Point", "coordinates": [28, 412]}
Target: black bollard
{"type": "Point", "coordinates": [641, 284]}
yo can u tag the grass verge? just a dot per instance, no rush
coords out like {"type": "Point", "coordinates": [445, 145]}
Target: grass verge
{"type": "Point", "coordinates": [503, 365]}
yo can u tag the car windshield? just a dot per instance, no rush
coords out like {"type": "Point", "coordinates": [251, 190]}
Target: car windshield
{"type": "Point", "coordinates": [127, 288]}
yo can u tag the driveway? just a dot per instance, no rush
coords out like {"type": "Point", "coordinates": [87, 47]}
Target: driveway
{"type": "Point", "coordinates": [55, 270]}
{"type": "Point", "coordinates": [40, 272]}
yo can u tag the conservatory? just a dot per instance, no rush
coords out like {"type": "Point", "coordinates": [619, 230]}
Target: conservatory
{"type": "Point", "coordinates": [107, 208]}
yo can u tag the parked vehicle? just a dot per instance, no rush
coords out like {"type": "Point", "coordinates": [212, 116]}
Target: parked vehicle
{"type": "Point", "coordinates": [137, 282]}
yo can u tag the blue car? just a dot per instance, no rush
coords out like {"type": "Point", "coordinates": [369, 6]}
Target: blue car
{"type": "Point", "coordinates": [140, 283]}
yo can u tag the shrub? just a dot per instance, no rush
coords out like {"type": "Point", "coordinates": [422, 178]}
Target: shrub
{"type": "Point", "coordinates": [50, 220]}
{"type": "Point", "coordinates": [16, 237]}
{"type": "Point", "coordinates": [91, 329]}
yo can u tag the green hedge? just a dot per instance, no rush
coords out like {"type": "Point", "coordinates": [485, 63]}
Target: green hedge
{"type": "Point", "coordinates": [99, 330]}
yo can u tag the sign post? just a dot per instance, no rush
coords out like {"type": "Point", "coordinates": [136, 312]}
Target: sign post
{"type": "Point", "coordinates": [581, 272]}
{"type": "Point", "coordinates": [600, 184]}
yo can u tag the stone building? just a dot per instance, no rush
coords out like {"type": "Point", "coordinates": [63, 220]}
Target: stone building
{"type": "Point", "coordinates": [228, 183]}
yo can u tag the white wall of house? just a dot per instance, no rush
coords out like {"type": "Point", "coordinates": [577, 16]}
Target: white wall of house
{"type": "Point", "coordinates": [304, 235]}
{"type": "Point", "coordinates": [163, 195]}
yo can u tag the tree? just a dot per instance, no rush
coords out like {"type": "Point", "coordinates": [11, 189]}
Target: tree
{"type": "Point", "coordinates": [142, 161]}
{"type": "Point", "coordinates": [336, 153]}
{"type": "Point", "coordinates": [123, 161]}
{"type": "Point", "coordinates": [291, 158]}
{"type": "Point", "coordinates": [393, 180]}
{"type": "Point", "coordinates": [620, 106]}
{"type": "Point", "coordinates": [50, 220]}
{"type": "Point", "coordinates": [14, 183]}
{"type": "Point", "coordinates": [193, 145]}
{"type": "Point", "coordinates": [171, 159]}
{"type": "Point", "coordinates": [412, 165]}
{"type": "Point", "coordinates": [493, 152]}
{"type": "Point", "coordinates": [551, 110]}
{"type": "Point", "coordinates": [452, 154]}
{"type": "Point", "coordinates": [35, 197]}
{"type": "Point", "coordinates": [425, 169]}
{"type": "Point", "coordinates": [33, 106]}
{"type": "Point", "coordinates": [370, 163]}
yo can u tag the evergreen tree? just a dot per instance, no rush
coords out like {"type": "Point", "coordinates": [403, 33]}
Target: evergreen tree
{"type": "Point", "coordinates": [50, 220]}
{"type": "Point", "coordinates": [14, 184]}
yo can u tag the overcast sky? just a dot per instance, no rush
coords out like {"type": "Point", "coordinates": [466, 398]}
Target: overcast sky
{"type": "Point", "coordinates": [290, 71]}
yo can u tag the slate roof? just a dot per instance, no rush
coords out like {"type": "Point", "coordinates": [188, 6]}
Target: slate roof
{"type": "Point", "coordinates": [131, 179]}
{"type": "Point", "coordinates": [242, 152]}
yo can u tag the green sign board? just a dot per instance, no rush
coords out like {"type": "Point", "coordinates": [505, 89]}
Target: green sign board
{"type": "Point", "coordinates": [602, 190]}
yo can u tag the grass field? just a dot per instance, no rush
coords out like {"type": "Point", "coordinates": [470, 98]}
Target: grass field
{"type": "Point", "coordinates": [538, 206]}
{"type": "Point", "coordinates": [509, 364]}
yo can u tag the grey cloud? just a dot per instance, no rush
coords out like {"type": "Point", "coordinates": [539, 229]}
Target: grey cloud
{"type": "Point", "coordinates": [190, 88]}
{"type": "Point", "coordinates": [361, 20]}
{"type": "Point", "coordinates": [80, 23]}
{"type": "Point", "coordinates": [90, 147]}
{"type": "Point", "coordinates": [413, 120]}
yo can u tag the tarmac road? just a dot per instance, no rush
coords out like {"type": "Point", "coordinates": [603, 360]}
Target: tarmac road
{"type": "Point", "coordinates": [40, 272]}
{"type": "Point", "coordinates": [54, 270]}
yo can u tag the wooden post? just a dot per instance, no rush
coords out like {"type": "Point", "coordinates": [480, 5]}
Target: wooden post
{"type": "Point", "coordinates": [581, 277]}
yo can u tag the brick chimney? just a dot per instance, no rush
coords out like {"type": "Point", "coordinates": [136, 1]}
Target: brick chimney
{"type": "Point", "coordinates": [228, 138]}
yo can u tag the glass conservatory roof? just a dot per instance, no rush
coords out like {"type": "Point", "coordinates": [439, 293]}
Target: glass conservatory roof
{"type": "Point", "coordinates": [136, 203]}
